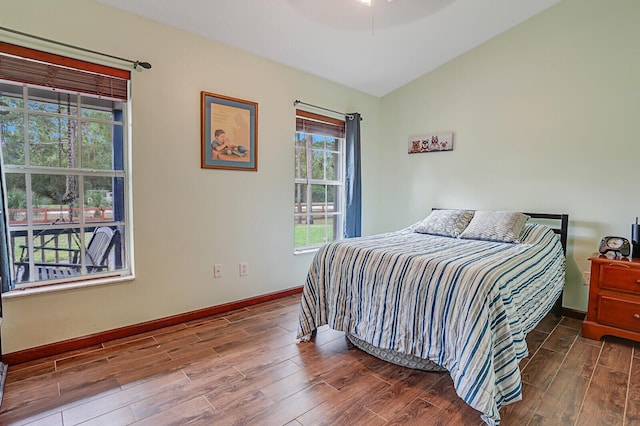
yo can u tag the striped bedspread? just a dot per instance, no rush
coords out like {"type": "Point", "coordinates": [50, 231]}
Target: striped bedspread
{"type": "Point", "coordinates": [466, 305]}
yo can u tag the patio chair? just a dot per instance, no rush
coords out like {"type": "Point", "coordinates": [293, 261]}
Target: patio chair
{"type": "Point", "coordinates": [96, 258]}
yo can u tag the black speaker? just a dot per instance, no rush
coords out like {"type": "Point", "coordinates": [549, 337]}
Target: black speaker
{"type": "Point", "coordinates": [635, 239]}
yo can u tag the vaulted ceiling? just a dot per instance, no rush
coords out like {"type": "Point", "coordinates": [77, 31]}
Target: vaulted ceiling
{"type": "Point", "coordinates": [373, 49]}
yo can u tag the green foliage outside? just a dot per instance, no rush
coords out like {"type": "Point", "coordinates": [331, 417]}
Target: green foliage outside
{"type": "Point", "coordinates": [316, 234]}
{"type": "Point", "coordinates": [317, 158]}
{"type": "Point", "coordinates": [321, 153]}
{"type": "Point", "coordinates": [55, 139]}
{"type": "Point", "coordinates": [62, 135]}
{"type": "Point", "coordinates": [49, 256]}
{"type": "Point", "coordinates": [16, 198]}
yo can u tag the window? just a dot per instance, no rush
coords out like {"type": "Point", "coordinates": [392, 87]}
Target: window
{"type": "Point", "coordinates": [319, 180]}
{"type": "Point", "coordinates": [65, 168]}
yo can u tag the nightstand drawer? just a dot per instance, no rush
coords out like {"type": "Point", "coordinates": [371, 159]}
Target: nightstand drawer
{"type": "Point", "coordinates": [619, 313]}
{"type": "Point", "coordinates": [620, 278]}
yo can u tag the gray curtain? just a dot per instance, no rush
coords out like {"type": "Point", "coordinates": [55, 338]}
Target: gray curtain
{"type": "Point", "coordinates": [353, 191]}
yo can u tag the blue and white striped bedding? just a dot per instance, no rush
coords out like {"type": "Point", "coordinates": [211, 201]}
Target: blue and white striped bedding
{"type": "Point", "coordinates": [466, 305]}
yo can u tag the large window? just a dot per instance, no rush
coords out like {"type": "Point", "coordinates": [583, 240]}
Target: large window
{"type": "Point", "coordinates": [64, 169]}
{"type": "Point", "coordinates": [319, 180]}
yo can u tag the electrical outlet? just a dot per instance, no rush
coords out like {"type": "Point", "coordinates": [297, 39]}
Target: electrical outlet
{"type": "Point", "coordinates": [587, 277]}
{"type": "Point", "coordinates": [217, 270]}
{"type": "Point", "coordinates": [244, 269]}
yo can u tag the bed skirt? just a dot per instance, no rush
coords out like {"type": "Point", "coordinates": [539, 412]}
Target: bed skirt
{"type": "Point", "coordinates": [394, 357]}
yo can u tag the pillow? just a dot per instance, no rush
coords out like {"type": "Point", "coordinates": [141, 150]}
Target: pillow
{"type": "Point", "coordinates": [504, 227]}
{"type": "Point", "coordinates": [447, 223]}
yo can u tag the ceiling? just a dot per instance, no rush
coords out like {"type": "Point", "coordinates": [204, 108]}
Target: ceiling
{"type": "Point", "coordinates": [372, 49]}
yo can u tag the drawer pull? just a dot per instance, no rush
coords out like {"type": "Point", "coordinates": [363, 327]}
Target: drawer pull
{"type": "Point", "coordinates": [636, 316]}
{"type": "Point", "coordinates": [620, 264]}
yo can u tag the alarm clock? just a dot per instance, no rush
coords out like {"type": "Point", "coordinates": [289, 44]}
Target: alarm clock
{"type": "Point", "coordinates": [615, 244]}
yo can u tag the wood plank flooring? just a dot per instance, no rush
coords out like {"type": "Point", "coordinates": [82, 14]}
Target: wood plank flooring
{"type": "Point", "coordinates": [247, 368]}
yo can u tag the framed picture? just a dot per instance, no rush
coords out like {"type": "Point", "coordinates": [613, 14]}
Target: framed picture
{"type": "Point", "coordinates": [431, 143]}
{"type": "Point", "coordinates": [229, 133]}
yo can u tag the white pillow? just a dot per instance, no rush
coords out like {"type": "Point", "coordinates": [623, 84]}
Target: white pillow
{"type": "Point", "coordinates": [499, 226]}
{"type": "Point", "coordinates": [447, 223]}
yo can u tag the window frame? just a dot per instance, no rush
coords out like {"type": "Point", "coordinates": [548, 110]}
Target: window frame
{"type": "Point", "coordinates": [120, 174]}
{"type": "Point", "coordinates": [335, 130]}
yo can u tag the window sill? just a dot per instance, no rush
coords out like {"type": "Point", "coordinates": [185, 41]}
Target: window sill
{"type": "Point", "coordinates": [64, 286]}
{"type": "Point", "coordinates": [306, 251]}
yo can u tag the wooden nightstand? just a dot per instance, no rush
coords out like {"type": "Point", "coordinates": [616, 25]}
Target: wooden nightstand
{"type": "Point", "coordinates": [614, 299]}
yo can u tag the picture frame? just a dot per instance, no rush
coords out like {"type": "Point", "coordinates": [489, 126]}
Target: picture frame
{"type": "Point", "coordinates": [229, 133]}
{"type": "Point", "coordinates": [433, 142]}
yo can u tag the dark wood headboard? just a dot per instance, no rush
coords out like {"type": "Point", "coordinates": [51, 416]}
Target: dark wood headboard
{"type": "Point", "coordinates": [561, 228]}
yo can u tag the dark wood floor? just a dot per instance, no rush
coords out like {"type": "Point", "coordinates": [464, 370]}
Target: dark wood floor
{"type": "Point", "coordinates": [246, 367]}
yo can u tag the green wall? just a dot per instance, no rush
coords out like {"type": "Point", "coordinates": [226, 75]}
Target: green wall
{"type": "Point", "coordinates": [546, 119]}
{"type": "Point", "coordinates": [186, 219]}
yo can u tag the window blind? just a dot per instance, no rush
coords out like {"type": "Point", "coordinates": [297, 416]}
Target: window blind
{"type": "Point", "coordinates": [40, 68]}
{"type": "Point", "coordinates": [309, 122]}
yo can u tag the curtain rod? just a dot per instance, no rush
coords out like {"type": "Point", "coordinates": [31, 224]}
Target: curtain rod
{"type": "Point", "coordinates": [349, 116]}
{"type": "Point", "coordinates": [145, 65]}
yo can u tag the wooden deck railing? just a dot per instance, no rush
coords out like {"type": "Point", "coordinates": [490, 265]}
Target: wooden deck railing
{"type": "Point", "coordinates": [48, 215]}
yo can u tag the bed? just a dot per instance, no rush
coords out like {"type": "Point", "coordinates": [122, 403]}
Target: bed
{"type": "Point", "coordinates": [456, 292]}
